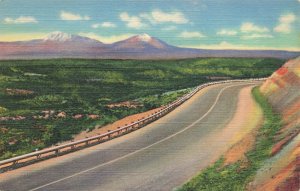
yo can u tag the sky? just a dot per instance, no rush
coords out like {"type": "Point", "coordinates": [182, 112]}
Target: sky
{"type": "Point", "coordinates": [212, 24]}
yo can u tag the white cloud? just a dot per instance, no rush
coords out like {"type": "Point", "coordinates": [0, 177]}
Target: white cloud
{"type": "Point", "coordinates": [169, 28]}
{"type": "Point", "coordinates": [187, 34]}
{"type": "Point", "coordinates": [256, 36]}
{"type": "Point", "coordinates": [148, 17]}
{"type": "Point", "coordinates": [154, 17]}
{"type": "Point", "coordinates": [227, 32]}
{"type": "Point", "coordinates": [104, 25]}
{"type": "Point", "coordinates": [68, 16]}
{"type": "Point", "coordinates": [20, 20]}
{"type": "Point", "coordinates": [11, 37]}
{"type": "Point", "coordinates": [220, 46]}
{"type": "Point", "coordinates": [106, 39]}
{"type": "Point", "coordinates": [229, 46]}
{"type": "Point", "coordinates": [247, 31]}
{"type": "Point", "coordinates": [158, 16]}
{"type": "Point", "coordinates": [173, 17]}
{"type": "Point", "coordinates": [95, 26]}
{"type": "Point", "coordinates": [288, 18]}
{"type": "Point", "coordinates": [132, 21]}
{"type": "Point", "coordinates": [108, 25]}
{"type": "Point", "coordinates": [251, 27]}
{"type": "Point", "coordinates": [285, 23]}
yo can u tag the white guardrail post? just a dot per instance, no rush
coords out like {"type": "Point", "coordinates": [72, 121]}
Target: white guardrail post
{"type": "Point", "coordinates": [57, 150]}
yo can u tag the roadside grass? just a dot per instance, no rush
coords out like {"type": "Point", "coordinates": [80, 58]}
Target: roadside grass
{"type": "Point", "coordinates": [235, 177]}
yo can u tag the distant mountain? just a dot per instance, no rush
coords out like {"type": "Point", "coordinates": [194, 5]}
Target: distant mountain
{"type": "Point", "coordinates": [59, 37]}
{"type": "Point", "coordinates": [141, 43]}
{"type": "Point", "coordinates": [55, 45]}
{"type": "Point", "coordinates": [63, 45]}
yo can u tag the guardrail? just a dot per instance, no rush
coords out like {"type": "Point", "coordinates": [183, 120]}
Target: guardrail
{"type": "Point", "coordinates": [69, 147]}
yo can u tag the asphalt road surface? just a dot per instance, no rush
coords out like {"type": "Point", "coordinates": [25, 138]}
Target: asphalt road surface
{"type": "Point", "coordinates": [160, 156]}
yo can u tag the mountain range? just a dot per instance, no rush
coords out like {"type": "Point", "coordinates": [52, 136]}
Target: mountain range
{"type": "Point", "coordinates": [63, 45]}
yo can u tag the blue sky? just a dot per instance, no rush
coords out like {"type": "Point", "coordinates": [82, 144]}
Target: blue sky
{"type": "Point", "coordinates": [222, 24]}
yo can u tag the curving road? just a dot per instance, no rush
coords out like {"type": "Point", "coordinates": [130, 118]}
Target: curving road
{"type": "Point", "coordinates": [160, 156]}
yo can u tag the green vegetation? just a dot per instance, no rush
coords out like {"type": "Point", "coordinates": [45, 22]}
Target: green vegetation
{"type": "Point", "coordinates": [162, 99]}
{"type": "Point", "coordinates": [69, 90]}
{"type": "Point", "coordinates": [234, 177]}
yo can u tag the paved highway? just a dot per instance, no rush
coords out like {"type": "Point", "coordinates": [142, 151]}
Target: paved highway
{"type": "Point", "coordinates": [160, 156]}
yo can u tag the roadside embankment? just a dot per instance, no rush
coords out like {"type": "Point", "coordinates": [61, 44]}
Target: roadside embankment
{"type": "Point", "coordinates": [282, 171]}
{"type": "Point", "coordinates": [251, 147]}
{"type": "Point", "coordinates": [267, 159]}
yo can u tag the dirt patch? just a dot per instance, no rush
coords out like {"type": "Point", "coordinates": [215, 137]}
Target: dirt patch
{"type": "Point", "coordinates": [16, 118]}
{"type": "Point", "coordinates": [249, 119]}
{"type": "Point", "coordinates": [128, 104]}
{"type": "Point", "coordinates": [9, 91]}
{"type": "Point", "coordinates": [237, 152]}
{"type": "Point", "coordinates": [115, 125]}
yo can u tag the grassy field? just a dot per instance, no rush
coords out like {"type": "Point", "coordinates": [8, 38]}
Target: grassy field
{"type": "Point", "coordinates": [235, 177]}
{"type": "Point", "coordinates": [44, 102]}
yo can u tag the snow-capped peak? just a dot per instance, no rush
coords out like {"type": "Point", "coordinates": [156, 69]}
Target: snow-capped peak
{"type": "Point", "coordinates": [58, 36]}
{"type": "Point", "coordinates": [144, 37]}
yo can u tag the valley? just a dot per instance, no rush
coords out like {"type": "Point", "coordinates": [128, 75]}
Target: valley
{"type": "Point", "coordinates": [50, 101]}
